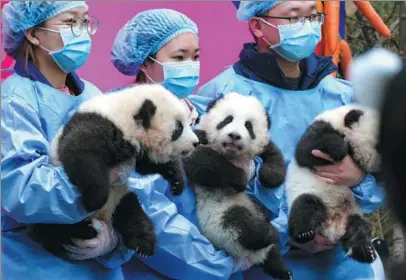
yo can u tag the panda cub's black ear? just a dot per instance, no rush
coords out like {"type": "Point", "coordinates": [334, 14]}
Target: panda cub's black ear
{"type": "Point", "coordinates": [352, 117]}
{"type": "Point", "coordinates": [202, 136]}
{"type": "Point", "coordinates": [213, 102]}
{"type": "Point", "coordinates": [145, 114]}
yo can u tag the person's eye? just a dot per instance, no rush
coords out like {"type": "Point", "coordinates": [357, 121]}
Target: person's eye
{"type": "Point", "coordinates": [179, 57]}
{"type": "Point", "coordinates": [196, 57]}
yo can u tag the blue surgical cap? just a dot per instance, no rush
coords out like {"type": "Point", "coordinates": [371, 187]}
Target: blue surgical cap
{"type": "Point", "coordinates": [249, 9]}
{"type": "Point", "coordinates": [145, 35]}
{"type": "Point", "coordinates": [19, 16]}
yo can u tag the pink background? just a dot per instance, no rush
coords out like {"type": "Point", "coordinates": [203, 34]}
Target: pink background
{"type": "Point", "coordinates": [221, 37]}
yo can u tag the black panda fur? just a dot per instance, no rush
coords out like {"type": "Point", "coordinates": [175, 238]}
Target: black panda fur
{"type": "Point", "coordinates": [235, 130]}
{"type": "Point", "coordinates": [316, 207]}
{"type": "Point", "coordinates": [145, 125]}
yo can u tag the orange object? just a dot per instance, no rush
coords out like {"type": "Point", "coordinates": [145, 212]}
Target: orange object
{"type": "Point", "coordinates": [332, 22]}
{"type": "Point", "coordinates": [336, 55]}
{"type": "Point", "coordinates": [345, 57]}
{"type": "Point", "coordinates": [319, 5]}
{"type": "Point", "coordinates": [373, 18]}
{"type": "Point", "coordinates": [326, 49]}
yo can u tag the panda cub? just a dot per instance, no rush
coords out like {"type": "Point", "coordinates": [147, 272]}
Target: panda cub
{"type": "Point", "coordinates": [236, 127]}
{"type": "Point", "coordinates": [145, 125]}
{"type": "Point", "coordinates": [316, 207]}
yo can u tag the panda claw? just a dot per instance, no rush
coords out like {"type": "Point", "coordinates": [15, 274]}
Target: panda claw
{"type": "Point", "coordinates": [304, 237]}
{"type": "Point", "coordinates": [362, 253]}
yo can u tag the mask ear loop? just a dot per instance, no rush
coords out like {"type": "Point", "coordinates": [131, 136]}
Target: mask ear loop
{"type": "Point", "coordinates": [160, 63]}
{"type": "Point", "coordinates": [51, 30]}
{"type": "Point", "coordinates": [150, 78]}
{"type": "Point", "coordinates": [271, 25]}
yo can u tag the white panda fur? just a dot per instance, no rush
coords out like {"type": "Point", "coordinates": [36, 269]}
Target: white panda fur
{"type": "Point", "coordinates": [350, 129]}
{"type": "Point", "coordinates": [222, 208]}
{"type": "Point", "coordinates": [145, 127]}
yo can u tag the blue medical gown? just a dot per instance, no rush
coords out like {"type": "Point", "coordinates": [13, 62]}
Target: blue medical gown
{"type": "Point", "coordinates": [34, 191]}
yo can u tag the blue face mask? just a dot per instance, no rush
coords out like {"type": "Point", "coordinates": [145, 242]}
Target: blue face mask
{"type": "Point", "coordinates": [75, 50]}
{"type": "Point", "coordinates": [297, 41]}
{"type": "Point", "coordinates": [180, 78]}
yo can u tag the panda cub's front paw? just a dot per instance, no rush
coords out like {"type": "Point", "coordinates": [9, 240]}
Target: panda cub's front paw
{"type": "Point", "coordinates": [271, 177]}
{"type": "Point", "coordinates": [363, 253]}
{"type": "Point", "coordinates": [176, 177]}
{"type": "Point", "coordinates": [177, 187]}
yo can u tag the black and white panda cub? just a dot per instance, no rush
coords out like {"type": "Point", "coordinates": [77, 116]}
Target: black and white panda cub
{"type": "Point", "coordinates": [145, 125]}
{"type": "Point", "coordinates": [236, 127]}
{"type": "Point", "coordinates": [316, 207]}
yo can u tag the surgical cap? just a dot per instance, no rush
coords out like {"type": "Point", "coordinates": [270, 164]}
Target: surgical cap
{"type": "Point", "coordinates": [19, 16]}
{"type": "Point", "coordinates": [145, 35]}
{"type": "Point", "coordinates": [249, 9]}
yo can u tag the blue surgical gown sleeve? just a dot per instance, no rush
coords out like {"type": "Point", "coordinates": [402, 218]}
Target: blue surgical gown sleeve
{"type": "Point", "coordinates": [183, 252]}
{"type": "Point", "coordinates": [33, 191]}
{"type": "Point", "coordinates": [369, 193]}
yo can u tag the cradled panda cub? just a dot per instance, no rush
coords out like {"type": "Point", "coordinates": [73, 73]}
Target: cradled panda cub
{"type": "Point", "coordinates": [316, 207]}
{"type": "Point", "coordinates": [146, 125]}
{"type": "Point", "coordinates": [236, 127]}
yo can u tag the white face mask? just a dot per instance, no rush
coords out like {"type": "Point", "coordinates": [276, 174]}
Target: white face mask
{"type": "Point", "coordinates": [75, 50]}
{"type": "Point", "coordinates": [297, 41]}
{"type": "Point", "coordinates": [181, 78]}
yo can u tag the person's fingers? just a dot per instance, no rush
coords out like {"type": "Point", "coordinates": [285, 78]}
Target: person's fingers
{"type": "Point", "coordinates": [320, 154]}
{"type": "Point", "coordinates": [86, 243]}
{"type": "Point", "coordinates": [319, 239]}
{"type": "Point", "coordinates": [327, 175]}
{"type": "Point", "coordinates": [326, 180]}
{"type": "Point", "coordinates": [332, 168]}
{"type": "Point", "coordinates": [80, 253]}
{"type": "Point", "coordinates": [98, 226]}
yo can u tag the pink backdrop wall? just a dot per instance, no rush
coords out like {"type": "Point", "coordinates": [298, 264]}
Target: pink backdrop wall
{"type": "Point", "coordinates": [221, 37]}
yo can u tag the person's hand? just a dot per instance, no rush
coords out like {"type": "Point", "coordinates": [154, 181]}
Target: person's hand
{"type": "Point", "coordinates": [240, 264]}
{"type": "Point", "coordinates": [344, 173]}
{"type": "Point", "coordinates": [105, 241]}
{"type": "Point", "coordinates": [318, 244]}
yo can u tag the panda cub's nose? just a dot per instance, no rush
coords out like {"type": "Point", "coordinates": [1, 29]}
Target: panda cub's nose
{"type": "Point", "coordinates": [234, 136]}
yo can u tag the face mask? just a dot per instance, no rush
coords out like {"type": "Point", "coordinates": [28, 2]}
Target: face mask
{"type": "Point", "coordinates": [75, 50]}
{"type": "Point", "coordinates": [297, 41]}
{"type": "Point", "coordinates": [180, 78]}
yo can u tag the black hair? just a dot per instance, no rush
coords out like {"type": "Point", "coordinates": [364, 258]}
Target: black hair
{"type": "Point", "coordinates": [141, 77]}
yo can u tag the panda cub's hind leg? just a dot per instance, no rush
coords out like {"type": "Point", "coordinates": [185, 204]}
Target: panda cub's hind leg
{"type": "Point", "coordinates": [274, 265]}
{"type": "Point", "coordinates": [307, 215]}
{"type": "Point", "coordinates": [357, 241]}
{"type": "Point", "coordinates": [135, 226]}
{"type": "Point", "coordinates": [254, 234]}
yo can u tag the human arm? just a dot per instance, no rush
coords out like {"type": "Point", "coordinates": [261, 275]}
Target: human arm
{"type": "Point", "coordinates": [33, 190]}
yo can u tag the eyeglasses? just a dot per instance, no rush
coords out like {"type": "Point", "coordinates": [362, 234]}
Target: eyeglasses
{"type": "Point", "coordinates": [77, 25]}
{"type": "Point", "coordinates": [315, 19]}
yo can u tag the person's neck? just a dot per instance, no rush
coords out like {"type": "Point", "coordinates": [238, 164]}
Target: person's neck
{"type": "Point", "coordinates": [289, 69]}
{"type": "Point", "coordinates": [55, 76]}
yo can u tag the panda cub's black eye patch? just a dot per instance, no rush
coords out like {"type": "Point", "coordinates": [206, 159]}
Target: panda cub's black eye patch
{"type": "Point", "coordinates": [249, 127]}
{"type": "Point", "coordinates": [177, 131]}
{"type": "Point", "coordinates": [225, 122]}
